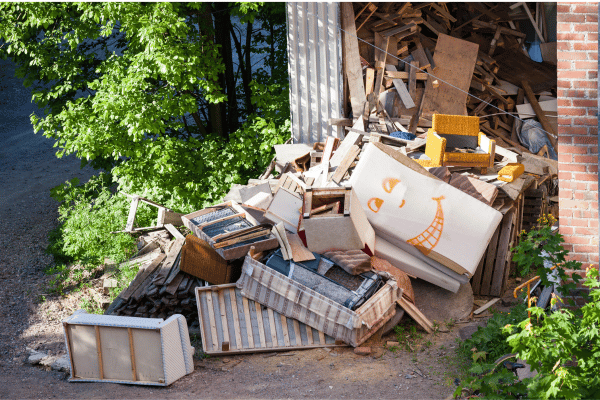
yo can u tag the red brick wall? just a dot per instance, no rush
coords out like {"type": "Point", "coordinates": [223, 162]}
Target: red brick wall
{"type": "Point", "coordinates": [577, 51]}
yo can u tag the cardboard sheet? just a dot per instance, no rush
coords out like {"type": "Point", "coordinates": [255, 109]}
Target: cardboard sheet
{"type": "Point", "coordinates": [406, 204]}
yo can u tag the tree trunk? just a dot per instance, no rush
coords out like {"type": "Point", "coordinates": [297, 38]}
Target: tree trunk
{"type": "Point", "coordinates": [223, 38]}
{"type": "Point", "coordinates": [247, 72]}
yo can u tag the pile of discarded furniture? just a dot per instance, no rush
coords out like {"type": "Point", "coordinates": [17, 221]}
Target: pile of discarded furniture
{"type": "Point", "coordinates": [321, 248]}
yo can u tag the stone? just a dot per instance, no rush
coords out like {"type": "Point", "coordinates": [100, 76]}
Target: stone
{"type": "Point", "coordinates": [409, 376]}
{"type": "Point", "coordinates": [362, 351]}
{"type": "Point", "coordinates": [392, 344]}
{"type": "Point", "coordinates": [35, 357]}
{"type": "Point", "coordinates": [62, 364]}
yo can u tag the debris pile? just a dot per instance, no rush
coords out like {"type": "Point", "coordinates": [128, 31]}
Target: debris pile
{"type": "Point", "coordinates": [434, 179]}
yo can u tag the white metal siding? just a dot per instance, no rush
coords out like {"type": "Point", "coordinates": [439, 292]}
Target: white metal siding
{"type": "Point", "coordinates": [315, 70]}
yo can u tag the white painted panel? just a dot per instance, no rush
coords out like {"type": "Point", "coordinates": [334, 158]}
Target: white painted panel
{"type": "Point", "coordinates": [315, 70]}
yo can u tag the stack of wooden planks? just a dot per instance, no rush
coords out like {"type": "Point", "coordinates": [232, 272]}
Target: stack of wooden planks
{"type": "Point", "coordinates": [405, 62]}
{"type": "Point", "coordinates": [159, 289]}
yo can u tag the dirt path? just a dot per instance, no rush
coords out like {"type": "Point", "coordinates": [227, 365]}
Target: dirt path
{"type": "Point", "coordinates": [28, 169]}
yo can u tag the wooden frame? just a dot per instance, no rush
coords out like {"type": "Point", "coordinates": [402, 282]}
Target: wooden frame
{"type": "Point", "coordinates": [143, 351]}
{"type": "Point", "coordinates": [224, 325]}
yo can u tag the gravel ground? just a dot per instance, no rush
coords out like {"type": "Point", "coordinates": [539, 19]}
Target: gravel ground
{"type": "Point", "coordinates": [31, 316]}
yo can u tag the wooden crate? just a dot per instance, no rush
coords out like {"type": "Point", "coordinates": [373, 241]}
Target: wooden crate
{"type": "Point", "coordinates": [235, 250]}
{"type": "Point", "coordinates": [143, 351]}
{"type": "Point", "coordinates": [225, 316]}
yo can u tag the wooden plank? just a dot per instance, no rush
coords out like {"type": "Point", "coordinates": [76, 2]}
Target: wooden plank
{"type": "Point", "coordinates": [381, 45]}
{"type": "Point", "coordinates": [284, 329]}
{"type": "Point", "coordinates": [352, 138]}
{"type": "Point", "coordinates": [299, 252]}
{"type": "Point", "coordinates": [132, 355]}
{"type": "Point", "coordinates": [163, 273]}
{"type": "Point", "coordinates": [535, 26]}
{"type": "Point", "coordinates": [99, 352]}
{"type": "Point", "coordinates": [249, 334]}
{"type": "Point", "coordinates": [420, 76]}
{"type": "Point", "coordinates": [420, 56]}
{"type": "Point", "coordinates": [242, 238]}
{"type": "Point", "coordinates": [443, 12]}
{"type": "Point", "coordinates": [403, 92]}
{"type": "Point", "coordinates": [235, 316]}
{"type": "Point", "coordinates": [274, 342]}
{"type": "Point", "coordinates": [341, 170]}
{"type": "Point", "coordinates": [489, 264]}
{"type": "Point", "coordinates": [455, 61]}
{"type": "Point", "coordinates": [297, 334]}
{"type": "Point", "coordinates": [261, 328]}
{"type": "Point", "coordinates": [369, 81]}
{"type": "Point", "coordinates": [132, 211]}
{"type": "Point", "coordinates": [321, 337]}
{"type": "Point", "coordinates": [309, 335]}
{"type": "Point", "coordinates": [476, 280]}
{"type": "Point", "coordinates": [212, 321]}
{"type": "Point", "coordinates": [415, 314]}
{"type": "Point", "coordinates": [540, 113]}
{"type": "Point", "coordinates": [223, 312]}
{"type": "Point", "coordinates": [412, 79]}
{"type": "Point", "coordinates": [474, 187]}
{"type": "Point", "coordinates": [173, 231]}
{"type": "Point", "coordinates": [486, 306]}
{"type": "Point", "coordinates": [146, 274]}
{"type": "Point", "coordinates": [141, 276]}
{"type": "Point", "coordinates": [501, 254]}
{"type": "Point", "coordinates": [352, 64]}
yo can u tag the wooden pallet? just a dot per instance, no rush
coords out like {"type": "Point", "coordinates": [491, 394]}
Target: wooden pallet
{"type": "Point", "coordinates": [492, 273]}
{"type": "Point", "coordinates": [223, 325]}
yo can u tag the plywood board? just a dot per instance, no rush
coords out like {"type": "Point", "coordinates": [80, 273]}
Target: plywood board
{"type": "Point", "coordinates": [285, 207]}
{"type": "Point", "coordinates": [480, 190]}
{"type": "Point", "coordinates": [455, 61]}
{"type": "Point", "coordinates": [248, 327]}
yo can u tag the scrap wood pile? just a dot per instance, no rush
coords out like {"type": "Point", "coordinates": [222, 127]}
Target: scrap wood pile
{"type": "Point", "coordinates": [406, 62]}
{"type": "Point", "coordinates": [320, 249]}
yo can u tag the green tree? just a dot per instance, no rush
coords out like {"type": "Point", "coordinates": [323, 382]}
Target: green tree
{"type": "Point", "coordinates": [150, 91]}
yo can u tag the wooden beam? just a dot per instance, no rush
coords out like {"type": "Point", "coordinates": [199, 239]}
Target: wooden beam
{"type": "Point", "coordinates": [352, 64]}
{"type": "Point", "coordinates": [540, 113]}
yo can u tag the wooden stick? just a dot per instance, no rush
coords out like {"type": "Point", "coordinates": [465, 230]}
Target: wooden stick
{"type": "Point", "coordinates": [132, 355]}
{"type": "Point", "coordinates": [99, 350]}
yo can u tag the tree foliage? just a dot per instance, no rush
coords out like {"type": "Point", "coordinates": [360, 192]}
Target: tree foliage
{"type": "Point", "coordinates": [150, 92]}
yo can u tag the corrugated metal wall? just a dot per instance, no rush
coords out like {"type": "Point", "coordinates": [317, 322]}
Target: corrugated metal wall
{"type": "Point", "coordinates": [315, 69]}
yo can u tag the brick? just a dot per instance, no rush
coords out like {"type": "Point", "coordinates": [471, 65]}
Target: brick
{"type": "Point", "coordinates": [562, 213]}
{"type": "Point", "coordinates": [591, 18]}
{"type": "Point", "coordinates": [583, 222]}
{"type": "Point", "coordinates": [569, 36]}
{"type": "Point", "coordinates": [592, 55]}
{"type": "Point", "coordinates": [592, 168]}
{"type": "Point", "coordinates": [572, 130]}
{"type": "Point", "coordinates": [563, 84]}
{"type": "Point", "coordinates": [565, 175]}
{"type": "Point", "coordinates": [563, 8]}
{"type": "Point", "coordinates": [584, 121]}
{"type": "Point", "coordinates": [592, 112]}
{"type": "Point", "coordinates": [568, 17]}
{"type": "Point", "coordinates": [566, 230]}
{"type": "Point", "coordinates": [583, 159]}
{"type": "Point", "coordinates": [565, 27]}
{"type": "Point", "coordinates": [587, 84]}
{"type": "Point", "coordinates": [582, 205]}
{"type": "Point", "coordinates": [585, 177]}
{"type": "Point", "coordinates": [585, 140]}
{"type": "Point", "coordinates": [585, 248]}
{"type": "Point", "coordinates": [570, 75]}
{"type": "Point", "coordinates": [593, 222]}
{"type": "Point", "coordinates": [563, 46]}
{"type": "Point", "coordinates": [569, 55]}
{"type": "Point", "coordinates": [362, 351]}
{"type": "Point", "coordinates": [585, 231]}
{"type": "Point", "coordinates": [585, 102]}
{"type": "Point", "coordinates": [592, 37]}
{"type": "Point", "coordinates": [585, 9]}
{"type": "Point", "coordinates": [573, 167]}
{"type": "Point", "coordinates": [572, 111]}
{"type": "Point", "coordinates": [586, 28]}
{"type": "Point", "coordinates": [572, 149]}
{"type": "Point", "coordinates": [584, 64]}
{"type": "Point", "coordinates": [566, 158]}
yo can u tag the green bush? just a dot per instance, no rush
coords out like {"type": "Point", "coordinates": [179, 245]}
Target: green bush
{"type": "Point", "coordinates": [564, 348]}
{"type": "Point", "coordinates": [88, 213]}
